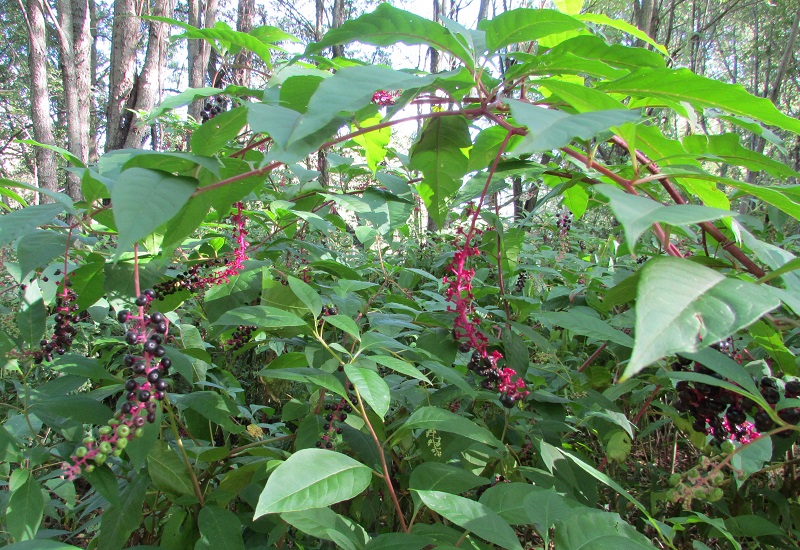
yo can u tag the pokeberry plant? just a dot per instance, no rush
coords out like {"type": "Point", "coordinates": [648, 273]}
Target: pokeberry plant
{"type": "Point", "coordinates": [539, 323]}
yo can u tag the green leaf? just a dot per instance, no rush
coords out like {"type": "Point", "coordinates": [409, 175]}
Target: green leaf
{"type": "Point", "coordinates": [371, 387]}
{"type": "Point", "coordinates": [570, 7]}
{"type": "Point", "coordinates": [400, 366]}
{"type": "Point", "coordinates": [70, 409]}
{"type": "Point", "coordinates": [398, 541]}
{"type": "Point", "coordinates": [728, 148]}
{"type": "Point", "coordinates": [167, 161]}
{"type": "Point", "coordinates": [326, 524]}
{"type": "Point", "coordinates": [637, 213]}
{"type": "Point", "coordinates": [119, 521]}
{"type": "Point", "coordinates": [434, 476]}
{"type": "Point", "coordinates": [599, 530]}
{"type": "Point", "coordinates": [88, 281]}
{"type": "Point", "coordinates": [144, 199]}
{"type": "Point", "coordinates": [40, 544]}
{"type": "Point", "coordinates": [260, 316]}
{"type": "Point", "coordinates": [220, 529]}
{"type": "Point", "coordinates": [32, 315]}
{"type": "Point", "coordinates": [375, 143]}
{"type": "Point", "coordinates": [526, 25]}
{"type": "Point", "coordinates": [387, 25]}
{"type": "Point", "coordinates": [675, 85]}
{"type": "Point", "coordinates": [25, 508]}
{"type": "Point", "coordinates": [576, 199]}
{"type": "Point", "coordinates": [38, 248]}
{"type": "Point", "coordinates": [307, 376]}
{"type": "Point", "coordinates": [211, 137]}
{"type": "Point", "coordinates": [587, 326]}
{"type": "Point", "coordinates": [439, 155]}
{"type": "Point", "coordinates": [549, 129]}
{"type": "Point", "coordinates": [434, 418]}
{"type": "Point", "coordinates": [683, 307]}
{"type": "Point", "coordinates": [104, 482]}
{"type": "Point", "coordinates": [772, 342]}
{"type": "Point", "coordinates": [344, 323]}
{"type": "Point", "coordinates": [624, 26]}
{"type": "Point", "coordinates": [312, 478]}
{"type": "Point", "coordinates": [307, 295]}
{"type": "Point", "coordinates": [168, 470]}
{"type": "Point", "coordinates": [23, 221]}
{"type": "Point", "coordinates": [472, 516]}
{"type": "Point", "coordinates": [215, 407]}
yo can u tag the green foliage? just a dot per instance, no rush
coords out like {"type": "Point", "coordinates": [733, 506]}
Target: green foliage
{"type": "Point", "coordinates": [335, 374]}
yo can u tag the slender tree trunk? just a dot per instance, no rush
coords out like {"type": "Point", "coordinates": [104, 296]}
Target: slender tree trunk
{"type": "Point", "coordinates": [319, 20]}
{"type": "Point", "coordinates": [46, 165]}
{"type": "Point", "coordinates": [147, 85]}
{"type": "Point", "coordinates": [243, 60]}
{"type": "Point", "coordinates": [483, 10]}
{"type": "Point", "coordinates": [122, 80]}
{"type": "Point", "coordinates": [94, 118]}
{"type": "Point", "coordinates": [75, 39]}
{"type": "Point", "coordinates": [202, 14]}
{"type": "Point", "coordinates": [336, 21]}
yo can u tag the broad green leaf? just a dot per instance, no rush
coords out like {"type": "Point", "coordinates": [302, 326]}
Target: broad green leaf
{"type": "Point", "coordinates": [211, 137]}
{"type": "Point", "coordinates": [88, 281]}
{"type": "Point", "coordinates": [168, 161]}
{"type": "Point", "coordinates": [439, 419]}
{"type": "Point", "coordinates": [32, 314]}
{"type": "Point", "coordinates": [144, 199]}
{"type": "Point", "coordinates": [104, 482]}
{"type": "Point", "coordinates": [220, 529]}
{"type": "Point", "coordinates": [119, 521]}
{"type": "Point", "coordinates": [25, 508]}
{"type": "Point", "coordinates": [400, 366]}
{"type": "Point", "coordinates": [586, 326]}
{"type": "Point", "coordinates": [312, 478]}
{"type": "Point", "coordinates": [326, 524]}
{"type": "Point", "coordinates": [168, 470]}
{"type": "Point", "coordinates": [23, 221]}
{"type": "Point", "coordinates": [576, 199]}
{"type": "Point", "coordinates": [40, 544]}
{"type": "Point", "coordinates": [637, 213]}
{"type": "Point", "coordinates": [307, 295]}
{"type": "Point", "coordinates": [70, 409]}
{"type": "Point", "coordinates": [387, 25]}
{"type": "Point", "coordinates": [439, 155]}
{"type": "Point", "coordinates": [624, 26]}
{"type": "Point", "coordinates": [549, 129]}
{"type": "Point", "coordinates": [683, 307]}
{"type": "Point", "coordinates": [398, 541]}
{"type": "Point", "coordinates": [472, 516]}
{"type": "Point", "coordinates": [215, 407]}
{"type": "Point", "coordinates": [387, 212]}
{"type": "Point", "coordinates": [581, 98]}
{"type": "Point", "coordinates": [38, 248]}
{"type": "Point", "coordinates": [344, 323]}
{"type": "Point", "coordinates": [785, 199]}
{"type": "Point", "coordinates": [570, 7]}
{"type": "Point", "coordinates": [189, 95]}
{"type": "Point", "coordinates": [728, 148]}
{"type": "Point", "coordinates": [371, 387]}
{"type": "Point", "coordinates": [599, 530]}
{"type": "Point", "coordinates": [260, 316]}
{"type": "Point", "coordinates": [434, 476]}
{"type": "Point", "coordinates": [374, 142]}
{"type": "Point", "coordinates": [526, 25]}
{"type": "Point", "coordinates": [677, 85]}
{"type": "Point", "coordinates": [307, 376]}
{"type": "Point", "coordinates": [772, 342]}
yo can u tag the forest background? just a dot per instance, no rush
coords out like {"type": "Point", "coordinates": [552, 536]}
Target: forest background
{"type": "Point", "coordinates": [327, 274]}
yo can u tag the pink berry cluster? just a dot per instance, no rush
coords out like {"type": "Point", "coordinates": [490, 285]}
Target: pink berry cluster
{"type": "Point", "coordinates": [466, 330]}
{"type": "Point", "coordinates": [235, 266]}
{"type": "Point", "coordinates": [145, 389]}
{"type": "Point", "coordinates": [385, 98]}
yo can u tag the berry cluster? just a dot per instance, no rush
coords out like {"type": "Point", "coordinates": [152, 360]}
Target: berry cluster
{"type": "Point", "coordinates": [330, 309]}
{"type": "Point", "coordinates": [213, 106]}
{"type": "Point", "coordinates": [521, 278]}
{"type": "Point", "coordinates": [703, 482]}
{"type": "Point", "coordinates": [239, 337]}
{"type": "Point", "coordinates": [564, 222]}
{"type": "Point", "coordinates": [145, 388]}
{"type": "Point", "coordinates": [385, 98]}
{"type": "Point", "coordinates": [641, 259]}
{"type": "Point", "coordinates": [466, 329]}
{"type": "Point", "coordinates": [64, 332]}
{"type": "Point", "coordinates": [335, 413]}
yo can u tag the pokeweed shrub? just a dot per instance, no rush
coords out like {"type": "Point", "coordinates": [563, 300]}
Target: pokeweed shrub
{"type": "Point", "coordinates": [258, 344]}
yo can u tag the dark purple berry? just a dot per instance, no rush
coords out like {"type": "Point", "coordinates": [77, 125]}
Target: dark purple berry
{"type": "Point", "coordinates": [128, 360]}
{"type": "Point", "coordinates": [762, 421]}
{"type": "Point", "coordinates": [150, 346]}
{"type": "Point", "coordinates": [507, 401]}
{"type": "Point", "coordinates": [160, 351]}
{"type": "Point", "coordinates": [166, 362]}
{"type": "Point", "coordinates": [131, 337]}
{"type": "Point", "coordinates": [161, 328]}
{"type": "Point", "coordinates": [157, 317]}
{"type": "Point", "coordinates": [790, 416]}
{"type": "Point", "coordinates": [771, 395]}
{"type": "Point", "coordinates": [131, 385]}
{"type": "Point", "coordinates": [123, 315]}
{"type": "Point", "coordinates": [151, 417]}
{"type": "Point", "coordinates": [138, 421]}
{"type": "Point", "coordinates": [125, 408]}
{"type": "Point", "coordinates": [162, 384]}
{"type": "Point", "coordinates": [159, 396]}
{"type": "Point", "coordinates": [153, 376]}
{"type": "Point", "coordinates": [144, 396]}
{"type": "Point", "coordinates": [141, 301]}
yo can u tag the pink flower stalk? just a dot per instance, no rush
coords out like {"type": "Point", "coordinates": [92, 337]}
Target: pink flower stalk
{"type": "Point", "coordinates": [466, 329]}
{"type": "Point", "coordinates": [235, 266]}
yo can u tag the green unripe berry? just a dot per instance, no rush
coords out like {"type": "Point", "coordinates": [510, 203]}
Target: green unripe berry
{"type": "Point", "coordinates": [139, 432]}
{"type": "Point", "coordinates": [80, 452]}
{"type": "Point", "coordinates": [693, 473]}
{"type": "Point", "coordinates": [727, 446]}
{"type": "Point", "coordinates": [117, 452]}
{"type": "Point", "coordinates": [89, 468]}
{"type": "Point", "coordinates": [88, 440]}
{"type": "Point", "coordinates": [674, 479]}
{"type": "Point", "coordinates": [105, 430]}
{"type": "Point", "coordinates": [715, 494]}
{"type": "Point", "coordinates": [122, 443]}
{"type": "Point", "coordinates": [123, 431]}
{"type": "Point", "coordinates": [105, 447]}
{"type": "Point", "coordinates": [100, 458]}
{"type": "Point", "coordinates": [699, 492]}
{"type": "Point", "coordinates": [113, 422]}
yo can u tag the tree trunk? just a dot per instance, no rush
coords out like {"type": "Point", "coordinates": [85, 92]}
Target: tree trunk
{"type": "Point", "coordinates": [202, 14]}
{"type": "Point", "coordinates": [483, 10]}
{"type": "Point", "coordinates": [243, 60]}
{"type": "Point", "coordinates": [46, 165]}
{"type": "Point", "coordinates": [75, 39]}
{"type": "Point", "coordinates": [94, 115]}
{"type": "Point", "coordinates": [336, 22]}
{"type": "Point", "coordinates": [147, 90]}
{"type": "Point", "coordinates": [122, 79]}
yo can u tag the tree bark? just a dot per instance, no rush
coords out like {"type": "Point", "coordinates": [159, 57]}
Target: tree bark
{"type": "Point", "coordinates": [202, 14]}
{"type": "Point", "coordinates": [122, 80]}
{"type": "Point", "coordinates": [243, 60]}
{"type": "Point", "coordinates": [46, 164]}
{"type": "Point", "coordinates": [75, 39]}
{"type": "Point", "coordinates": [336, 22]}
